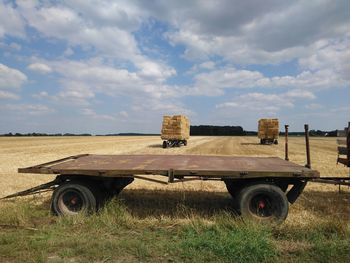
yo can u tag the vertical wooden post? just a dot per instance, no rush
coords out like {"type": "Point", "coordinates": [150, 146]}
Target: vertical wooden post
{"type": "Point", "coordinates": [286, 143]}
{"type": "Point", "coordinates": [348, 143]}
{"type": "Point", "coordinates": [308, 159]}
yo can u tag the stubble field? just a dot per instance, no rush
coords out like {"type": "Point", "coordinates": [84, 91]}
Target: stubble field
{"type": "Point", "coordinates": [173, 222]}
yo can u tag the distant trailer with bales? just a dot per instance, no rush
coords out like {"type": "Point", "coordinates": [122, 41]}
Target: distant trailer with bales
{"type": "Point", "coordinates": [175, 131]}
{"type": "Point", "coordinates": [268, 131]}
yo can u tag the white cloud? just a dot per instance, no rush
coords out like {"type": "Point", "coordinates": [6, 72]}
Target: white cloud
{"type": "Point", "coordinates": [81, 81]}
{"type": "Point", "coordinates": [229, 78]}
{"type": "Point", "coordinates": [126, 14]}
{"type": "Point", "coordinates": [345, 109]}
{"type": "Point", "coordinates": [253, 32]}
{"type": "Point", "coordinates": [15, 46]}
{"type": "Point", "coordinates": [41, 95]}
{"type": "Point", "coordinates": [332, 59]}
{"type": "Point", "coordinates": [123, 114]}
{"type": "Point", "coordinates": [214, 82]}
{"type": "Point", "coordinates": [68, 52]}
{"type": "Point", "coordinates": [269, 104]}
{"type": "Point", "coordinates": [30, 109]}
{"type": "Point", "coordinates": [11, 22]}
{"type": "Point", "coordinates": [92, 114]}
{"type": "Point", "coordinates": [207, 65]}
{"type": "Point", "coordinates": [10, 77]}
{"type": "Point", "coordinates": [228, 46]}
{"type": "Point", "coordinates": [75, 93]}
{"type": "Point", "coordinates": [156, 71]}
{"type": "Point", "coordinates": [313, 106]}
{"type": "Point", "coordinates": [10, 47]}
{"type": "Point", "coordinates": [40, 68]}
{"type": "Point", "coordinates": [240, 32]}
{"type": "Point", "coordinates": [97, 27]}
{"type": "Point", "coordinates": [8, 95]}
{"type": "Point", "coordinates": [300, 94]}
{"type": "Point", "coordinates": [156, 107]}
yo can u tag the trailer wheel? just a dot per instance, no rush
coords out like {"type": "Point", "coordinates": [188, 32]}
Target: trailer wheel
{"type": "Point", "coordinates": [185, 142]}
{"type": "Point", "coordinates": [275, 142]}
{"type": "Point", "coordinates": [269, 141]}
{"type": "Point", "coordinates": [72, 198]}
{"type": "Point", "coordinates": [263, 203]}
{"type": "Point", "coordinates": [165, 144]}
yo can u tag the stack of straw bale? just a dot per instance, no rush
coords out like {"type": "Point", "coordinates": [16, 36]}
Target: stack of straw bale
{"type": "Point", "coordinates": [175, 127]}
{"type": "Point", "coordinates": [268, 129]}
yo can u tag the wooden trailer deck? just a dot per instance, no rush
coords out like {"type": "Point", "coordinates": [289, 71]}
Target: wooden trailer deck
{"type": "Point", "coordinates": [173, 165]}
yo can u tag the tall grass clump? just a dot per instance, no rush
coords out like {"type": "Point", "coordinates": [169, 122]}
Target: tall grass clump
{"type": "Point", "coordinates": [320, 241]}
{"type": "Point", "coordinates": [227, 239]}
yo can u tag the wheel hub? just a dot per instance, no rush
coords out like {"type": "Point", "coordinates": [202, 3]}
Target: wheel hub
{"type": "Point", "coordinates": [71, 201]}
{"type": "Point", "coordinates": [261, 204]}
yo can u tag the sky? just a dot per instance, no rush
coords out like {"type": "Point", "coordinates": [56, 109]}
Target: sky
{"type": "Point", "coordinates": [102, 67]}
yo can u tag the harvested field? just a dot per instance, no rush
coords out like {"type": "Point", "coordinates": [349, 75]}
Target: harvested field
{"type": "Point", "coordinates": [319, 221]}
{"type": "Point", "coordinates": [27, 151]}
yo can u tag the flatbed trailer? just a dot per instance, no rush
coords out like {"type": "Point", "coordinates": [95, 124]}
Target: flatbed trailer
{"type": "Point", "coordinates": [260, 186]}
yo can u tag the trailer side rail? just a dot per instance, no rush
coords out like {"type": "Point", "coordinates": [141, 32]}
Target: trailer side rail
{"type": "Point", "coordinates": [45, 167]}
{"type": "Point", "coordinates": [333, 180]}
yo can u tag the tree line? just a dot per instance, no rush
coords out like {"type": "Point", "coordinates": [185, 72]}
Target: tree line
{"type": "Point", "coordinates": [200, 130]}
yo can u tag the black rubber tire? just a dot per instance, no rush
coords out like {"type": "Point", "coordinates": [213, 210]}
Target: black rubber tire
{"type": "Point", "coordinates": [83, 195]}
{"type": "Point", "coordinates": [185, 142]}
{"type": "Point", "coordinates": [275, 142]}
{"type": "Point", "coordinates": [165, 144]}
{"type": "Point", "coordinates": [263, 203]}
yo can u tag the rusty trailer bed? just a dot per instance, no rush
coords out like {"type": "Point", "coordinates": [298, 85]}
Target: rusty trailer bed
{"type": "Point", "coordinates": [173, 166]}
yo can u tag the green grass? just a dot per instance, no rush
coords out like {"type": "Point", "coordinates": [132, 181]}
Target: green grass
{"type": "Point", "coordinates": [326, 241]}
{"type": "Point", "coordinates": [28, 233]}
{"type": "Point", "coordinates": [233, 242]}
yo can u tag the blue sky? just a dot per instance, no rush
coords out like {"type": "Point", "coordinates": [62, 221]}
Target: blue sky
{"type": "Point", "coordinates": [119, 66]}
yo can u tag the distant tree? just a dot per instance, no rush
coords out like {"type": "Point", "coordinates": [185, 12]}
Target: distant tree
{"type": "Point", "coordinates": [210, 130]}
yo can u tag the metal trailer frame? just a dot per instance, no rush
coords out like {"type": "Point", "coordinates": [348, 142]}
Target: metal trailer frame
{"type": "Point", "coordinates": [87, 181]}
{"type": "Point", "coordinates": [175, 168]}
